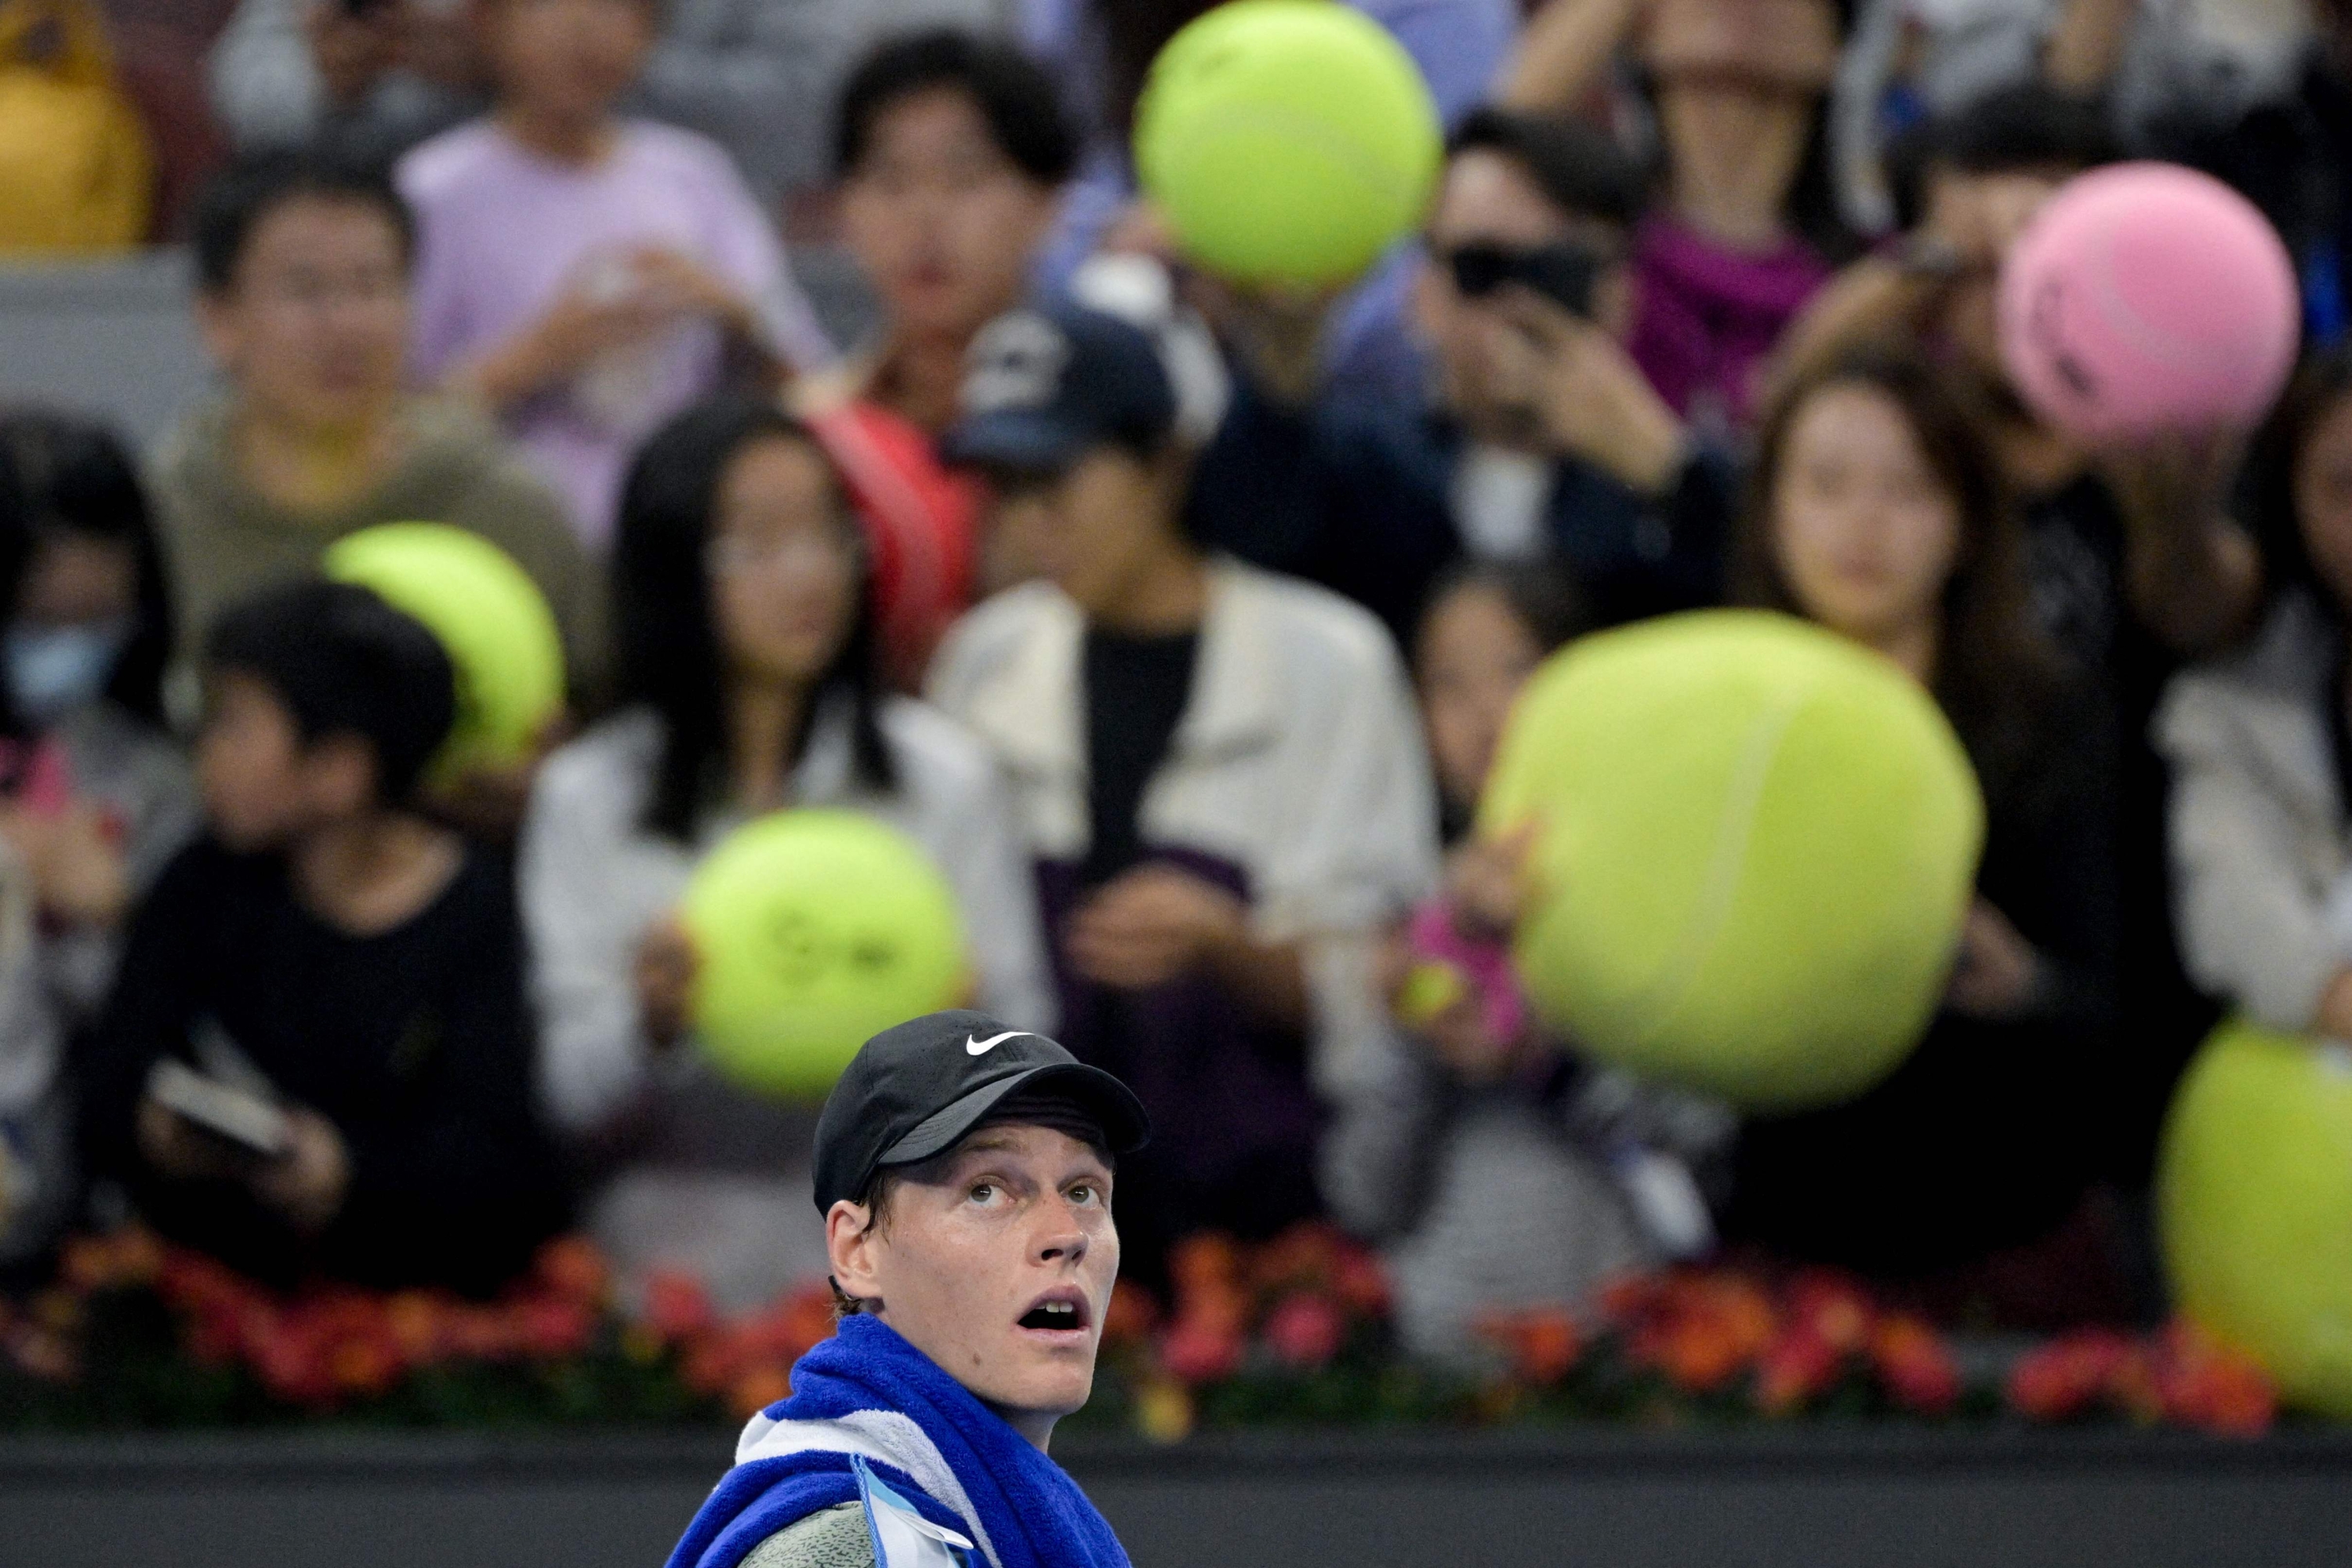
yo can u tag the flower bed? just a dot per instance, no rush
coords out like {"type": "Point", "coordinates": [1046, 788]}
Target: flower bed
{"type": "Point", "coordinates": [137, 1335]}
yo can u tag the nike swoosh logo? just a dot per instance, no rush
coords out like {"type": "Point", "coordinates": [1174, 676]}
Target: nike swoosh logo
{"type": "Point", "coordinates": [982, 1048]}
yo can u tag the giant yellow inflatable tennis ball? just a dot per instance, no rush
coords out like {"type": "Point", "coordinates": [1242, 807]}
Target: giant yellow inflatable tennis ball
{"type": "Point", "coordinates": [816, 930]}
{"type": "Point", "coordinates": [1286, 141]}
{"type": "Point", "coordinates": [1755, 844]}
{"type": "Point", "coordinates": [488, 616]}
{"type": "Point", "coordinates": [2254, 1207]}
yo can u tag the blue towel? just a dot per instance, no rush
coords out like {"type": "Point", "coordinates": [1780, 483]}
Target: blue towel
{"type": "Point", "coordinates": [866, 1392]}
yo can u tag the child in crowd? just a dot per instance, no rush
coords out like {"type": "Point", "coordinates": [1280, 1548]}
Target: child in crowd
{"type": "Point", "coordinates": [328, 953]}
{"type": "Point", "coordinates": [93, 796]}
{"type": "Point", "coordinates": [1497, 1169]}
{"type": "Point", "coordinates": [1216, 771]}
{"type": "Point", "coordinates": [1875, 510]}
{"type": "Point", "coordinates": [1749, 226]}
{"type": "Point", "coordinates": [747, 667]}
{"type": "Point", "coordinates": [583, 274]}
{"type": "Point", "coordinates": [2263, 767]}
{"type": "Point", "coordinates": [93, 793]}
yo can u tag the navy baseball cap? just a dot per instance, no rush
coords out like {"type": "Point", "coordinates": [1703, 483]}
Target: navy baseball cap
{"type": "Point", "coordinates": [1043, 385]}
{"type": "Point", "coordinates": [913, 1091]}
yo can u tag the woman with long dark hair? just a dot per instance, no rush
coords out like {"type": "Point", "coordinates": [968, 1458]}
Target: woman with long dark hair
{"type": "Point", "coordinates": [1876, 512]}
{"type": "Point", "coordinates": [746, 667]}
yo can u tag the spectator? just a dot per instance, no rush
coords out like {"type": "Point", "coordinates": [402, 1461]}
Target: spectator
{"type": "Point", "coordinates": [76, 170]}
{"type": "Point", "coordinates": [583, 274]}
{"type": "Point", "coordinates": [748, 662]}
{"type": "Point", "coordinates": [1750, 225]}
{"type": "Point", "coordinates": [1496, 1169]}
{"type": "Point", "coordinates": [2291, 150]}
{"type": "Point", "coordinates": [302, 273]}
{"type": "Point", "coordinates": [1216, 774]}
{"type": "Point", "coordinates": [762, 77]}
{"type": "Point", "coordinates": [951, 151]}
{"type": "Point", "coordinates": [2167, 69]}
{"type": "Point", "coordinates": [327, 949]}
{"type": "Point", "coordinates": [2135, 564]}
{"type": "Point", "coordinates": [754, 76]}
{"type": "Point", "coordinates": [1877, 510]}
{"type": "Point", "coordinates": [2258, 749]}
{"type": "Point", "coordinates": [96, 796]}
{"type": "Point", "coordinates": [368, 77]}
{"type": "Point", "coordinates": [1543, 439]}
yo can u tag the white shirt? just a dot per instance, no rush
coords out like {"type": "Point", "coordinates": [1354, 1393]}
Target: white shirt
{"type": "Point", "coordinates": [593, 878]}
{"type": "Point", "coordinates": [1299, 759]}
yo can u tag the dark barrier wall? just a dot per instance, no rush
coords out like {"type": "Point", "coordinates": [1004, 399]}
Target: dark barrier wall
{"type": "Point", "coordinates": [1822, 1499]}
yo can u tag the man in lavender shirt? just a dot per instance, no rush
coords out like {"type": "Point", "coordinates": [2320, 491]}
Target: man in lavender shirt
{"type": "Point", "coordinates": [586, 276]}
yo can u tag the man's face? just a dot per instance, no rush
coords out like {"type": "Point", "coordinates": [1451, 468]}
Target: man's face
{"type": "Point", "coordinates": [943, 223]}
{"type": "Point", "coordinates": [997, 1262]}
{"type": "Point", "coordinates": [313, 328]}
{"type": "Point", "coordinates": [1488, 199]}
{"type": "Point", "coordinates": [570, 59]}
{"type": "Point", "coordinates": [1094, 530]}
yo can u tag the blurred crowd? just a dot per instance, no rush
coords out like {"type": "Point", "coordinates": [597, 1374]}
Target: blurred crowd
{"type": "Point", "coordinates": [1177, 621]}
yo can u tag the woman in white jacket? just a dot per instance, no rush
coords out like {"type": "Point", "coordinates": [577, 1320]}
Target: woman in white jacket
{"type": "Point", "coordinates": [2262, 769]}
{"type": "Point", "coordinates": [746, 661]}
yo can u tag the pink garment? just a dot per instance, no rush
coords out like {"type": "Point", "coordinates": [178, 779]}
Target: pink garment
{"type": "Point", "coordinates": [1449, 967]}
{"type": "Point", "coordinates": [1708, 316]}
{"type": "Point", "coordinates": [502, 233]}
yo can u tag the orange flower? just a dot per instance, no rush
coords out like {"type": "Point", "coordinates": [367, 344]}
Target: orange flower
{"type": "Point", "coordinates": [1799, 1369]}
{"type": "Point", "coordinates": [1131, 1316]}
{"type": "Point", "coordinates": [572, 1268]}
{"type": "Point", "coordinates": [1915, 1366]}
{"type": "Point", "coordinates": [758, 1387]}
{"type": "Point", "coordinates": [1832, 1309]}
{"type": "Point", "coordinates": [1544, 1343]}
{"type": "Point", "coordinates": [2210, 1385]}
{"type": "Point", "coordinates": [1304, 1329]}
{"type": "Point", "coordinates": [2062, 1379]}
{"type": "Point", "coordinates": [417, 1319]}
{"type": "Point", "coordinates": [676, 1306]}
{"type": "Point", "coordinates": [1203, 1262]}
{"type": "Point", "coordinates": [1198, 1352]}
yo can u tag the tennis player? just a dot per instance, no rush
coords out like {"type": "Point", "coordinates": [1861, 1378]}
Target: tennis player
{"type": "Point", "coordinates": [964, 1170]}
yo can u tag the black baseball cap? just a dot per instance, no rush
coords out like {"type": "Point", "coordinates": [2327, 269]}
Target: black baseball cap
{"type": "Point", "coordinates": [913, 1091]}
{"type": "Point", "coordinates": [1043, 385]}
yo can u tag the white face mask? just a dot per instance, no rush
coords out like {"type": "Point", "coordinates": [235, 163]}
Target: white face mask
{"type": "Point", "coordinates": [52, 670]}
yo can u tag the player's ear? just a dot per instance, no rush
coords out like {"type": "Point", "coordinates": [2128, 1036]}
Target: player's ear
{"type": "Point", "coordinates": [851, 1240]}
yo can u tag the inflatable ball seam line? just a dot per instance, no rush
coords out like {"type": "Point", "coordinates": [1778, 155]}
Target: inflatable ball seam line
{"type": "Point", "coordinates": [1720, 888]}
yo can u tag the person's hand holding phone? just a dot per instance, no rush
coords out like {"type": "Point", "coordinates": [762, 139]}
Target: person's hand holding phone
{"type": "Point", "coordinates": [1592, 401]}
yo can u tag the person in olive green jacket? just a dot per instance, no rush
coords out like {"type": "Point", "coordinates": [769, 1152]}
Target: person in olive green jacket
{"type": "Point", "coordinates": [302, 276]}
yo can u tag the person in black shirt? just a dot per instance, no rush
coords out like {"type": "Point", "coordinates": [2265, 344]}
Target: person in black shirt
{"type": "Point", "coordinates": [325, 948]}
{"type": "Point", "coordinates": [1876, 512]}
{"type": "Point", "coordinates": [1216, 770]}
{"type": "Point", "coordinates": [2135, 563]}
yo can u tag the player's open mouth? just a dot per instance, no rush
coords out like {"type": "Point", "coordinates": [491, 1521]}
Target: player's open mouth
{"type": "Point", "coordinates": [1060, 1310]}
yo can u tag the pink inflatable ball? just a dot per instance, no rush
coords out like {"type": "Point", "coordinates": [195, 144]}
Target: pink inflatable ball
{"type": "Point", "coordinates": [2147, 299]}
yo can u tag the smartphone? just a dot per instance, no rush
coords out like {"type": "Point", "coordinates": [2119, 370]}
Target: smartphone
{"type": "Point", "coordinates": [1564, 274]}
{"type": "Point", "coordinates": [243, 1120]}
